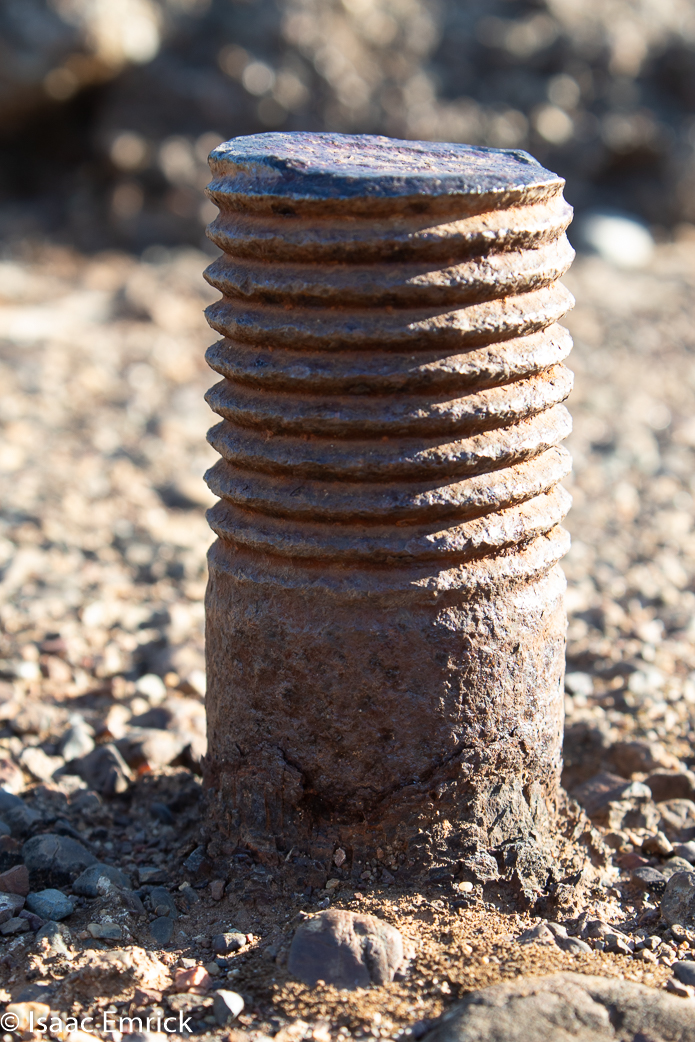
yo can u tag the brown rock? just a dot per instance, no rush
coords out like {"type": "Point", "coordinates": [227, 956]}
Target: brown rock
{"type": "Point", "coordinates": [196, 980]}
{"type": "Point", "coordinates": [217, 889]}
{"type": "Point", "coordinates": [15, 881]}
{"type": "Point", "coordinates": [345, 949]}
{"type": "Point", "coordinates": [641, 757]}
{"type": "Point", "coordinates": [616, 803]}
{"type": "Point", "coordinates": [671, 785]}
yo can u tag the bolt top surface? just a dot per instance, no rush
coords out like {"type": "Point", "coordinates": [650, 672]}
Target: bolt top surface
{"type": "Point", "coordinates": [343, 166]}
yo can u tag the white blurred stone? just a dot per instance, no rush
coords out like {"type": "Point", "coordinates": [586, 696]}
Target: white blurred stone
{"type": "Point", "coordinates": [579, 684]}
{"type": "Point", "coordinates": [620, 240]}
{"type": "Point", "coordinates": [151, 686]}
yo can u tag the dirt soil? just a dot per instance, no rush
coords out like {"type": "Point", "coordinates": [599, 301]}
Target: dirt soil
{"type": "Point", "coordinates": [102, 552]}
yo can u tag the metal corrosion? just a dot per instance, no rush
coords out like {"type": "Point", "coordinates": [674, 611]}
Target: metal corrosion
{"type": "Point", "coordinates": [385, 608]}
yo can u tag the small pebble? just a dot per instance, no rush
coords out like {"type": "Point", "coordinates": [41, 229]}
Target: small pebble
{"type": "Point", "coordinates": [105, 931]}
{"type": "Point", "coordinates": [162, 929]}
{"type": "Point", "coordinates": [223, 943]}
{"type": "Point", "coordinates": [227, 1006]}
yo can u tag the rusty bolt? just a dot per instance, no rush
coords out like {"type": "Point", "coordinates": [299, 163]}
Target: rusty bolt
{"type": "Point", "coordinates": [385, 619]}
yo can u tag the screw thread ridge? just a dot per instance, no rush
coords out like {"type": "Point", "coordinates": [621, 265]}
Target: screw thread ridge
{"type": "Point", "coordinates": [392, 373]}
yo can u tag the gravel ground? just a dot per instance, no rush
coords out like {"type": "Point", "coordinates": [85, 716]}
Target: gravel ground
{"type": "Point", "coordinates": [102, 693]}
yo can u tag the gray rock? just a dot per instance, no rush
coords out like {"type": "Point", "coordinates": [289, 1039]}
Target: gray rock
{"type": "Point", "coordinates": [227, 1005]}
{"type": "Point", "coordinates": [10, 906]}
{"type": "Point", "coordinates": [556, 928]}
{"type": "Point", "coordinates": [573, 945]}
{"type": "Point", "coordinates": [104, 770]}
{"type": "Point", "coordinates": [189, 895]}
{"type": "Point", "coordinates": [15, 925]}
{"type": "Point", "coordinates": [678, 819]}
{"type": "Point", "coordinates": [618, 943]}
{"type": "Point", "coordinates": [678, 901]}
{"type": "Point", "coordinates": [673, 865]}
{"type": "Point", "coordinates": [223, 943]}
{"type": "Point", "coordinates": [50, 904]}
{"type": "Point", "coordinates": [479, 868]}
{"type": "Point", "coordinates": [132, 902]}
{"type": "Point", "coordinates": [5, 829]}
{"type": "Point", "coordinates": [105, 931]}
{"type": "Point", "coordinates": [39, 992]}
{"type": "Point", "coordinates": [162, 929]}
{"type": "Point", "coordinates": [567, 1007]}
{"type": "Point", "coordinates": [649, 879]}
{"type": "Point", "coordinates": [86, 883]}
{"type": "Point", "coordinates": [686, 851]}
{"type": "Point", "coordinates": [163, 903]}
{"type": "Point", "coordinates": [76, 743]}
{"type": "Point", "coordinates": [346, 949]}
{"type": "Point", "coordinates": [16, 814]}
{"type": "Point", "coordinates": [55, 861]}
{"type": "Point", "coordinates": [151, 874]}
{"type": "Point", "coordinates": [198, 864]}
{"type": "Point", "coordinates": [56, 938]}
{"type": "Point", "coordinates": [684, 972]}
{"type": "Point", "coordinates": [540, 932]}
{"type": "Point", "coordinates": [35, 921]}
{"type": "Point", "coordinates": [161, 812]}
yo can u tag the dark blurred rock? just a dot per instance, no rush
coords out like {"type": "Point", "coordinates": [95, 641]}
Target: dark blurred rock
{"type": "Point", "coordinates": [55, 861]}
{"type": "Point", "coordinates": [86, 883]}
{"type": "Point", "coordinates": [16, 814]}
{"type": "Point", "coordinates": [104, 769]}
{"type": "Point", "coordinates": [226, 1006]}
{"type": "Point", "coordinates": [224, 943]}
{"type": "Point", "coordinates": [161, 899]}
{"type": "Point", "coordinates": [162, 929]}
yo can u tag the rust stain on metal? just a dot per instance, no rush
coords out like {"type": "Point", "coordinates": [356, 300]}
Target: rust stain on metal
{"type": "Point", "coordinates": [385, 609]}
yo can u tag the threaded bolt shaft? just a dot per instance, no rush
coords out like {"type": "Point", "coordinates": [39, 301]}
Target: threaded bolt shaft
{"type": "Point", "coordinates": [385, 608]}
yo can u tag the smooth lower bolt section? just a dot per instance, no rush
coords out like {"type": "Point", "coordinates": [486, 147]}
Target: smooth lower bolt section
{"type": "Point", "coordinates": [385, 620]}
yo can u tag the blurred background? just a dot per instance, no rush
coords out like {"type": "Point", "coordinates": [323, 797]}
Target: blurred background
{"type": "Point", "coordinates": [108, 108]}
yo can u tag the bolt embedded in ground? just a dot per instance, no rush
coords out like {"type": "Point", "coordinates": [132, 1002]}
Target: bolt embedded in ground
{"type": "Point", "coordinates": [385, 618]}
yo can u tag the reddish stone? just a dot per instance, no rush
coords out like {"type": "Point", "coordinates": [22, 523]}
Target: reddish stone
{"type": "Point", "coordinates": [15, 881]}
{"type": "Point", "coordinates": [197, 980]}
